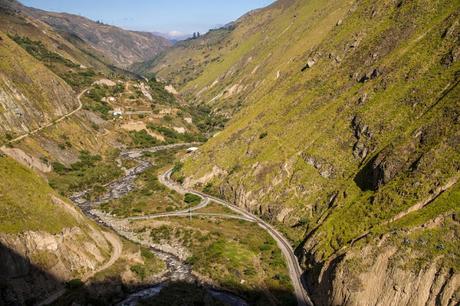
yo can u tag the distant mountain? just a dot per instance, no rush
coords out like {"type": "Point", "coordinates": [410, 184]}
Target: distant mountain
{"type": "Point", "coordinates": [119, 47]}
{"type": "Point", "coordinates": [173, 36]}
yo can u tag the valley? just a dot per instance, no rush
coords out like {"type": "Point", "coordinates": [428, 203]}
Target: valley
{"type": "Point", "coordinates": [307, 153]}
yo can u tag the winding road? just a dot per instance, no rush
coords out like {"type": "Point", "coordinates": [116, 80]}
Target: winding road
{"type": "Point", "coordinates": [295, 272]}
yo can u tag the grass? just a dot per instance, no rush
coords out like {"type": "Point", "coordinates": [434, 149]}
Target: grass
{"type": "Point", "coordinates": [310, 114]}
{"type": "Point", "coordinates": [20, 188]}
{"type": "Point", "coordinates": [69, 71]}
{"type": "Point", "coordinates": [228, 251]}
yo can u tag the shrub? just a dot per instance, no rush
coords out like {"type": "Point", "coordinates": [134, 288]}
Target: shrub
{"type": "Point", "coordinates": [139, 270]}
{"type": "Point", "coordinates": [192, 199]}
{"type": "Point", "coordinates": [59, 168]}
{"type": "Point", "coordinates": [191, 260]}
{"type": "Point", "coordinates": [74, 284]}
{"type": "Point", "coordinates": [263, 135]}
{"type": "Point", "coordinates": [142, 139]}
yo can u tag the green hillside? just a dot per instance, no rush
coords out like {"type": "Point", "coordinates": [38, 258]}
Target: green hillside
{"type": "Point", "coordinates": [18, 192]}
{"type": "Point", "coordinates": [345, 117]}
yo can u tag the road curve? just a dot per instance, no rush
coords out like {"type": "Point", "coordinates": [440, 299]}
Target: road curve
{"type": "Point", "coordinates": [117, 249]}
{"type": "Point", "coordinates": [190, 214]}
{"type": "Point", "coordinates": [295, 271]}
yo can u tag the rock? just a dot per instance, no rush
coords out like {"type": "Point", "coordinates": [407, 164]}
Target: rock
{"type": "Point", "coordinates": [373, 74]}
{"type": "Point", "coordinates": [339, 23]}
{"type": "Point", "coordinates": [324, 169]}
{"type": "Point", "coordinates": [310, 63]}
{"type": "Point", "coordinates": [451, 57]}
{"type": "Point", "coordinates": [363, 99]}
{"type": "Point", "coordinates": [361, 147]}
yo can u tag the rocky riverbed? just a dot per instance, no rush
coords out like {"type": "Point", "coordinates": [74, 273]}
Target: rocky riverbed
{"type": "Point", "coordinates": [176, 268]}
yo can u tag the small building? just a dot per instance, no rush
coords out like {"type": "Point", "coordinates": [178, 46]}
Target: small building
{"type": "Point", "coordinates": [192, 149]}
{"type": "Point", "coordinates": [117, 112]}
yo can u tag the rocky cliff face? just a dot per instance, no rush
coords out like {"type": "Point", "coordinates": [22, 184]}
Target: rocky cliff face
{"type": "Point", "coordinates": [37, 264]}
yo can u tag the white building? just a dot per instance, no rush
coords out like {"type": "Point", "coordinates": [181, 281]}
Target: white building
{"type": "Point", "coordinates": [192, 149]}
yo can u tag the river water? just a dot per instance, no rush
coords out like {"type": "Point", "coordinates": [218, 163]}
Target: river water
{"type": "Point", "coordinates": [177, 270]}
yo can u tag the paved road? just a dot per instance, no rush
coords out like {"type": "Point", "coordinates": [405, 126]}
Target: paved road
{"type": "Point", "coordinates": [190, 214]}
{"type": "Point", "coordinates": [295, 271]}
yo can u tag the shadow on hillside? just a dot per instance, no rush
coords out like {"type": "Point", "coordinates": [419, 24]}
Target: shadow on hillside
{"type": "Point", "coordinates": [366, 178]}
{"type": "Point", "coordinates": [23, 283]}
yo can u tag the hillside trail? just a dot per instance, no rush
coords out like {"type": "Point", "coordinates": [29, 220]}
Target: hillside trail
{"type": "Point", "coordinates": [54, 122]}
{"type": "Point", "coordinates": [117, 249]}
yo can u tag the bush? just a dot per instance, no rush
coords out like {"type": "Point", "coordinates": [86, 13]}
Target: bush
{"type": "Point", "coordinates": [139, 270]}
{"type": "Point", "coordinates": [59, 168]}
{"type": "Point", "coordinates": [74, 284]}
{"type": "Point", "coordinates": [146, 253]}
{"type": "Point", "coordinates": [264, 247]}
{"type": "Point", "coordinates": [191, 260]}
{"type": "Point", "coordinates": [177, 168]}
{"type": "Point", "coordinates": [142, 139]}
{"type": "Point", "coordinates": [192, 199]}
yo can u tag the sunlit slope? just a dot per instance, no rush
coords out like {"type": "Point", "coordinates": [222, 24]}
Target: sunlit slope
{"type": "Point", "coordinates": [31, 95]}
{"type": "Point", "coordinates": [344, 119]}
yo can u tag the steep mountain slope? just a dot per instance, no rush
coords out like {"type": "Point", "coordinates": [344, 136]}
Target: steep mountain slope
{"type": "Point", "coordinates": [49, 235]}
{"type": "Point", "coordinates": [119, 47]}
{"type": "Point", "coordinates": [30, 95]}
{"type": "Point", "coordinates": [345, 133]}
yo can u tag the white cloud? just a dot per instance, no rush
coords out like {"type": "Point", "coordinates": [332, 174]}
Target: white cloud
{"type": "Point", "coordinates": [176, 34]}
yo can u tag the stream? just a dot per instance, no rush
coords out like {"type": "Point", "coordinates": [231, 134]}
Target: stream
{"type": "Point", "coordinates": [177, 269]}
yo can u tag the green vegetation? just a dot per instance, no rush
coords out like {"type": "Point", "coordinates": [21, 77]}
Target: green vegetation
{"type": "Point", "coordinates": [39, 51]}
{"type": "Point", "coordinates": [94, 99]}
{"type": "Point", "coordinates": [172, 136]}
{"type": "Point", "coordinates": [18, 192]}
{"type": "Point", "coordinates": [150, 196]}
{"type": "Point", "coordinates": [364, 134]}
{"type": "Point", "coordinates": [229, 251]}
{"type": "Point", "coordinates": [158, 92]}
{"type": "Point", "coordinates": [207, 122]}
{"type": "Point", "coordinates": [70, 72]}
{"type": "Point", "coordinates": [192, 199]}
{"type": "Point", "coordinates": [74, 284]}
{"type": "Point", "coordinates": [90, 171]}
{"type": "Point", "coordinates": [178, 294]}
{"type": "Point", "coordinates": [142, 139]}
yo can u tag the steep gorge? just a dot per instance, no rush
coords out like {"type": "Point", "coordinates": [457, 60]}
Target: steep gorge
{"type": "Point", "coordinates": [344, 116]}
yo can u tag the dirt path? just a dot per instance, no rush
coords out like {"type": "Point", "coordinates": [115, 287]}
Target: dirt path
{"type": "Point", "coordinates": [117, 249]}
{"type": "Point", "coordinates": [54, 122]}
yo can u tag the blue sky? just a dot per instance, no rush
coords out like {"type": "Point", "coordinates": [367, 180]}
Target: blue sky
{"type": "Point", "coordinates": [166, 16]}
